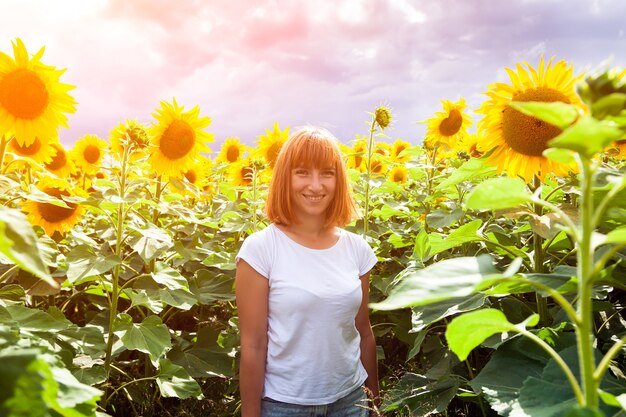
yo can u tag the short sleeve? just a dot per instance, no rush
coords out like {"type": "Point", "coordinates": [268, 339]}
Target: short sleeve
{"type": "Point", "coordinates": [257, 253]}
{"type": "Point", "coordinates": [367, 257]}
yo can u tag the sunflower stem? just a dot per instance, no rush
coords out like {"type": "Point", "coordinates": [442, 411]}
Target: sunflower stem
{"type": "Point", "coordinates": [430, 174]}
{"type": "Point", "coordinates": [368, 176]}
{"type": "Point", "coordinates": [584, 331]}
{"type": "Point", "coordinates": [115, 290]}
{"type": "Point", "coordinates": [538, 257]}
{"type": "Point", "coordinates": [254, 196]}
{"type": "Point", "coordinates": [156, 214]}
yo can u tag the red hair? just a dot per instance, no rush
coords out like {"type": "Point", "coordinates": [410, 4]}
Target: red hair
{"type": "Point", "coordinates": [309, 147]}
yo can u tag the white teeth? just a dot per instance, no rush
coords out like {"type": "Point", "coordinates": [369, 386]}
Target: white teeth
{"type": "Point", "coordinates": [314, 197]}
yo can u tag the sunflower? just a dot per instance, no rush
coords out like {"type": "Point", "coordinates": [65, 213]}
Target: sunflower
{"type": "Point", "coordinates": [177, 138]}
{"type": "Point", "coordinates": [396, 149]}
{"type": "Point", "coordinates": [448, 126]}
{"type": "Point", "coordinates": [32, 99]}
{"type": "Point", "coordinates": [241, 172]}
{"type": "Point", "coordinates": [618, 149]}
{"type": "Point", "coordinates": [271, 144]}
{"type": "Point", "coordinates": [51, 217]}
{"type": "Point", "coordinates": [61, 164]}
{"type": "Point", "coordinates": [520, 140]}
{"type": "Point", "coordinates": [357, 154]}
{"type": "Point", "coordinates": [133, 134]}
{"type": "Point", "coordinates": [39, 150]}
{"type": "Point", "coordinates": [382, 117]}
{"type": "Point", "coordinates": [377, 165]}
{"type": "Point", "coordinates": [232, 151]}
{"type": "Point", "coordinates": [398, 174]}
{"type": "Point", "coordinates": [472, 145]}
{"type": "Point", "coordinates": [382, 148]}
{"type": "Point", "coordinates": [88, 153]}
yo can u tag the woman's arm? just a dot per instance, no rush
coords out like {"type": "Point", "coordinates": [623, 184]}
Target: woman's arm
{"type": "Point", "coordinates": [368, 343]}
{"type": "Point", "coordinates": [251, 291]}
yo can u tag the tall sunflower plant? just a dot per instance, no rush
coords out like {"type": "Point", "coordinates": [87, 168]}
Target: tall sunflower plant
{"type": "Point", "coordinates": [566, 368]}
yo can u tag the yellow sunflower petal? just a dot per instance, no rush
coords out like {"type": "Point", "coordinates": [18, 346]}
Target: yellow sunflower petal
{"type": "Point", "coordinates": [232, 151]}
{"type": "Point", "coordinates": [448, 126]}
{"type": "Point", "coordinates": [33, 102]}
{"type": "Point", "coordinates": [88, 154]}
{"type": "Point", "coordinates": [520, 140]}
{"type": "Point", "coordinates": [271, 143]}
{"type": "Point", "coordinates": [177, 138]}
{"type": "Point", "coordinates": [53, 218]}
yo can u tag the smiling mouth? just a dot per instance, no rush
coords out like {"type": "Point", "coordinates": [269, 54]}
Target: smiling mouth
{"type": "Point", "coordinates": [313, 197]}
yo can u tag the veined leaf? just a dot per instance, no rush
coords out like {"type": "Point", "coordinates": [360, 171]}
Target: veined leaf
{"type": "Point", "coordinates": [469, 330]}
{"type": "Point", "coordinates": [456, 277]}
{"type": "Point", "coordinates": [150, 336]}
{"type": "Point", "coordinates": [556, 113]}
{"type": "Point", "coordinates": [18, 243]}
{"type": "Point", "coordinates": [174, 381]}
{"type": "Point", "coordinates": [587, 136]}
{"type": "Point", "coordinates": [499, 193]}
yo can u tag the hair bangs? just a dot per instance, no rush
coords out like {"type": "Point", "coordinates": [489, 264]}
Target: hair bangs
{"type": "Point", "coordinates": [315, 152]}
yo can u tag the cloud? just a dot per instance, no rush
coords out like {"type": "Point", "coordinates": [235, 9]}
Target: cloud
{"type": "Point", "coordinates": [329, 62]}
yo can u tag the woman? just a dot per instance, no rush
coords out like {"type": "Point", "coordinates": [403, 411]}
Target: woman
{"type": "Point", "coordinates": [302, 284]}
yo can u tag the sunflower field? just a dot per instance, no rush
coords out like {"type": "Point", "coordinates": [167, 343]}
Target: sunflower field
{"type": "Point", "coordinates": [500, 286]}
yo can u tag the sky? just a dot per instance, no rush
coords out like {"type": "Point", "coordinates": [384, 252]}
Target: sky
{"type": "Point", "coordinates": [249, 64]}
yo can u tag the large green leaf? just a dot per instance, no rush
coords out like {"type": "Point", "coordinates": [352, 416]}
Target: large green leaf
{"type": "Point", "coordinates": [18, 243]}
{"type": "Point", "coordinates": [469, 330]}
{"type": "Point", "coordinates": [587, 136]}
{"type": "Point", "coordinates": [470, 170]}
{"type": "Point", "coordinates": [513, 362]}
{"type": "Point", "coordinates": [417, 395]}
{"type": "Point", "coordinates": [30, 386]}
{"type": "Point", "coordinates": [551, 395]}
{"type": "Point", "coordinates": [209, 287]}
{"type": "Point", "coordinates": [150, 336]}
{"type": "Point", "coordinates": [204, 362]}
{"type": "Point", "coordinates": [499, 193]}
{"type": "Point", "coordinates": [463, 234]}
{"type": "Point", "coordinates": [457, 277]}
{"type": "Point", "coordinates": [33, 319]}
{"type": "Point", "coordinates": [151, 242]}
{"type": "Point", "coordinates": [169, 277]}
{"type": "Point", "coordinates": [84, 264]}
{"type": "Point", "coordinates": [174, 381]}
{"type": "Point", "coordinates": [425, 315]}
{"type": "Point", "coordinates": [556, 113]}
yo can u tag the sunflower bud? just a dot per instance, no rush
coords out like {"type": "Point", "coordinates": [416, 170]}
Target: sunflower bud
{"type": "Point", "coordinates": [382, 115]}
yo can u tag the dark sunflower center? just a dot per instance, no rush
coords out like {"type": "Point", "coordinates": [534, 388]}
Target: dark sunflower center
{"type": "Point", "coordinates": [377, 166]}
{"type": "Point", "coordinates": [399, 150]}
{"type": "Point", "coordinates": [52, 213]}
{"type": "Point", "coordinates": [272, 152]}
{"type": "Point", "coordinates": [526, 134]}
{"type": "Point", "coordinates": [191, 176]}
{"type": "Point", "coordinates": [451, 124]}
{"type": "Point", "coordinates": [91, 154]}
{"type": "Point", "coordinates": [177, 140]}
{"type": "Point", "coordinates": [232, 154]}
{"type": "Point", "coordinates": [398, 176]}
{"type": "Point", "coordinates": [621, 142]}
{"type": "Point", "coordinates": [23, 94]}
{"type": "Point", "coordinates": [58, 161]}
{"type": "Point", "coordinates": [29, 150]}
{"type": "Point", "coordinates": [358, 159]}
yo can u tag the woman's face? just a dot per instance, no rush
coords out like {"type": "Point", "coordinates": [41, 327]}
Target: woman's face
{"type": "Point", "coordinates": [312, 191]}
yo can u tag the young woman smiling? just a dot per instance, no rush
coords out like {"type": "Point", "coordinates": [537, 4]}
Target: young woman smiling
{"type": "Point", "coordinates": [302, 285]}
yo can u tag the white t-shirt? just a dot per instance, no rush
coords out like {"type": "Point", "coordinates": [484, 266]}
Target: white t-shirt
{"type": "Point", "coordinates": [313, 350]}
